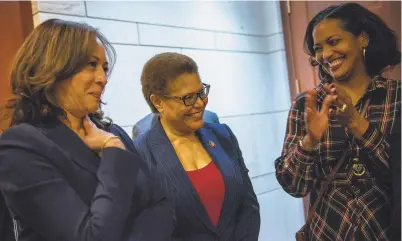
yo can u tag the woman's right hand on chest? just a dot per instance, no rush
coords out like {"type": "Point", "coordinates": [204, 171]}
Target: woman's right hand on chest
{"type": "Point", "coordinates": [97, 139]}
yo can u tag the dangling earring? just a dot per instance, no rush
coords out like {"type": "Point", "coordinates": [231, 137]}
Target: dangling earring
{"type": "Point", "coordinates": [364, 53]}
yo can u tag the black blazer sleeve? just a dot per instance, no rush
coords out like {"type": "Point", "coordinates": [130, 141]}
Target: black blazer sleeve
{"type": "Point", "coordinates": [157, 222]}
{"type": "Point", "coordinates": [6, 223]}
{"type": "Point", "coordinates": [38, 193]}
{"type": "Point", "coordinates": [248, 219]}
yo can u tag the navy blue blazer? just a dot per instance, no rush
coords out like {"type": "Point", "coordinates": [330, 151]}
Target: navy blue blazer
{"type": "Point", "coordinates": [148, 121]}
{"type": "Point", "coordinates": [240, 215]}
{"type": "Point", "coordinates": [60, 190]}
{"type": "Point", "coordinates": [6, 223]}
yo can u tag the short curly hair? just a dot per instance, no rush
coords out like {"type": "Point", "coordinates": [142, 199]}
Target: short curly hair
{"type": "Point", "coordinates": [161, 69]}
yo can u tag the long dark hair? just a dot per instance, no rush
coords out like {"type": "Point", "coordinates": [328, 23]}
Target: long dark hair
{"type": "Point", "coordinates": [382, 50]}
{"type": "Point", "coordinates": [54, 51]}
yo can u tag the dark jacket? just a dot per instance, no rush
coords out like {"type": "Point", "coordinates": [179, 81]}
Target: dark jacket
{"type": "Point", "coordinates": [60, 190]}
{"type": "Point", "coordinates": [240, 215]}
{"type": "Point", "coordinates": [395, 162]}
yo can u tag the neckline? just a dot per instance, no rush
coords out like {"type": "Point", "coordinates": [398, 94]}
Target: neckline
{"type": "Point", "coordinates": [202, 168]}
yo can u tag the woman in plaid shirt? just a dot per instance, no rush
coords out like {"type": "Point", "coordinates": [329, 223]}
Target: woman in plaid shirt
{"type": "Point", "coordinates": [353, 109]}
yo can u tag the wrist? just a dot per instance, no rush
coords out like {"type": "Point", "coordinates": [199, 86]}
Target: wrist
{"type": "Point", "coordinates": [113, 141]}
{"type": "Point", "coordinates": [308, 144]}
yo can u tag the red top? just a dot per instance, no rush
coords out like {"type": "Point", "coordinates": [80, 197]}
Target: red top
{"type": "Point", "coordinates": [208, 183]}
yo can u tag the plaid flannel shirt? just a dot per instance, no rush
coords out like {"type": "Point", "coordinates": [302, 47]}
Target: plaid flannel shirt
{"type": "Point", "coordinates": [352, 208]}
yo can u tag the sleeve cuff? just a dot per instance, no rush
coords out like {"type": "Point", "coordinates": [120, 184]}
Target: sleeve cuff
{"type": "Point", "coordinates": [302, 158]}
{"type": "Point", "coordinates": [371, 139]}
{"type": "Point", "coordinates": [305, 156]}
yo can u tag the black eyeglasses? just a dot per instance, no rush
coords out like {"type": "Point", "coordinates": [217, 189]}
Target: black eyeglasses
{"type": "Point", "coordinates": [190, 99]}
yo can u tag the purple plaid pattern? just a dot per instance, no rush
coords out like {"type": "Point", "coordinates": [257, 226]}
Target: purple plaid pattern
{"type": "Point", "coordinates": [353, 208]}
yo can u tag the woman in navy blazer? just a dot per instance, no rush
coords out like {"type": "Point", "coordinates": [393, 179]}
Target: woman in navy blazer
{"type": "Point", "coordinates": [200, 166]}
{"type": "Point", "coordinates": [66, 173]}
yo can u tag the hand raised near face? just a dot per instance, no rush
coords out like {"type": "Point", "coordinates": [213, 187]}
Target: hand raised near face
{"type": "Point", "coordinates": [345, 112]}
{"type": "Point", "coordinates": [316, 120]}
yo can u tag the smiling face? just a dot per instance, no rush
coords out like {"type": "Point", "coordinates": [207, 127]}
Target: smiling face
{"type": "Point", "coordinates": [81, 94]}
{"type": "Point", "coordinates": [174, 112]}
{"type": "Point", "coordinates": [338, 51]}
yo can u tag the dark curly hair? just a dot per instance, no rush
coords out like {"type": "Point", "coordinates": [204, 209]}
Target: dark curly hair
{"type": "Point", "coordinates": [161, 69]}
{"type": "Point", "coordinates": [382, 50]}
{"type": "Point", "coordinates": [54, 51]}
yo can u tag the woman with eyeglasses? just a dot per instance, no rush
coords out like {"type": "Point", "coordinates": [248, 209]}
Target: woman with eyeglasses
{"type": "Point", "coordinates": [200, 164]}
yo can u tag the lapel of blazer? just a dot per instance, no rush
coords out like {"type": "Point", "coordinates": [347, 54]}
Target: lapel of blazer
{"type": "Point", "coordinates": [228, 171]}
{"type": "Point", "coordinates": [71, 144]}
{"type": "Point", "coordinates": [168, 163]}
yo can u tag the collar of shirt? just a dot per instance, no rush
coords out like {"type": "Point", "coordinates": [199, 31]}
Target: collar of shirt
{"type": "Point", "coordinates": [378, 83]}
